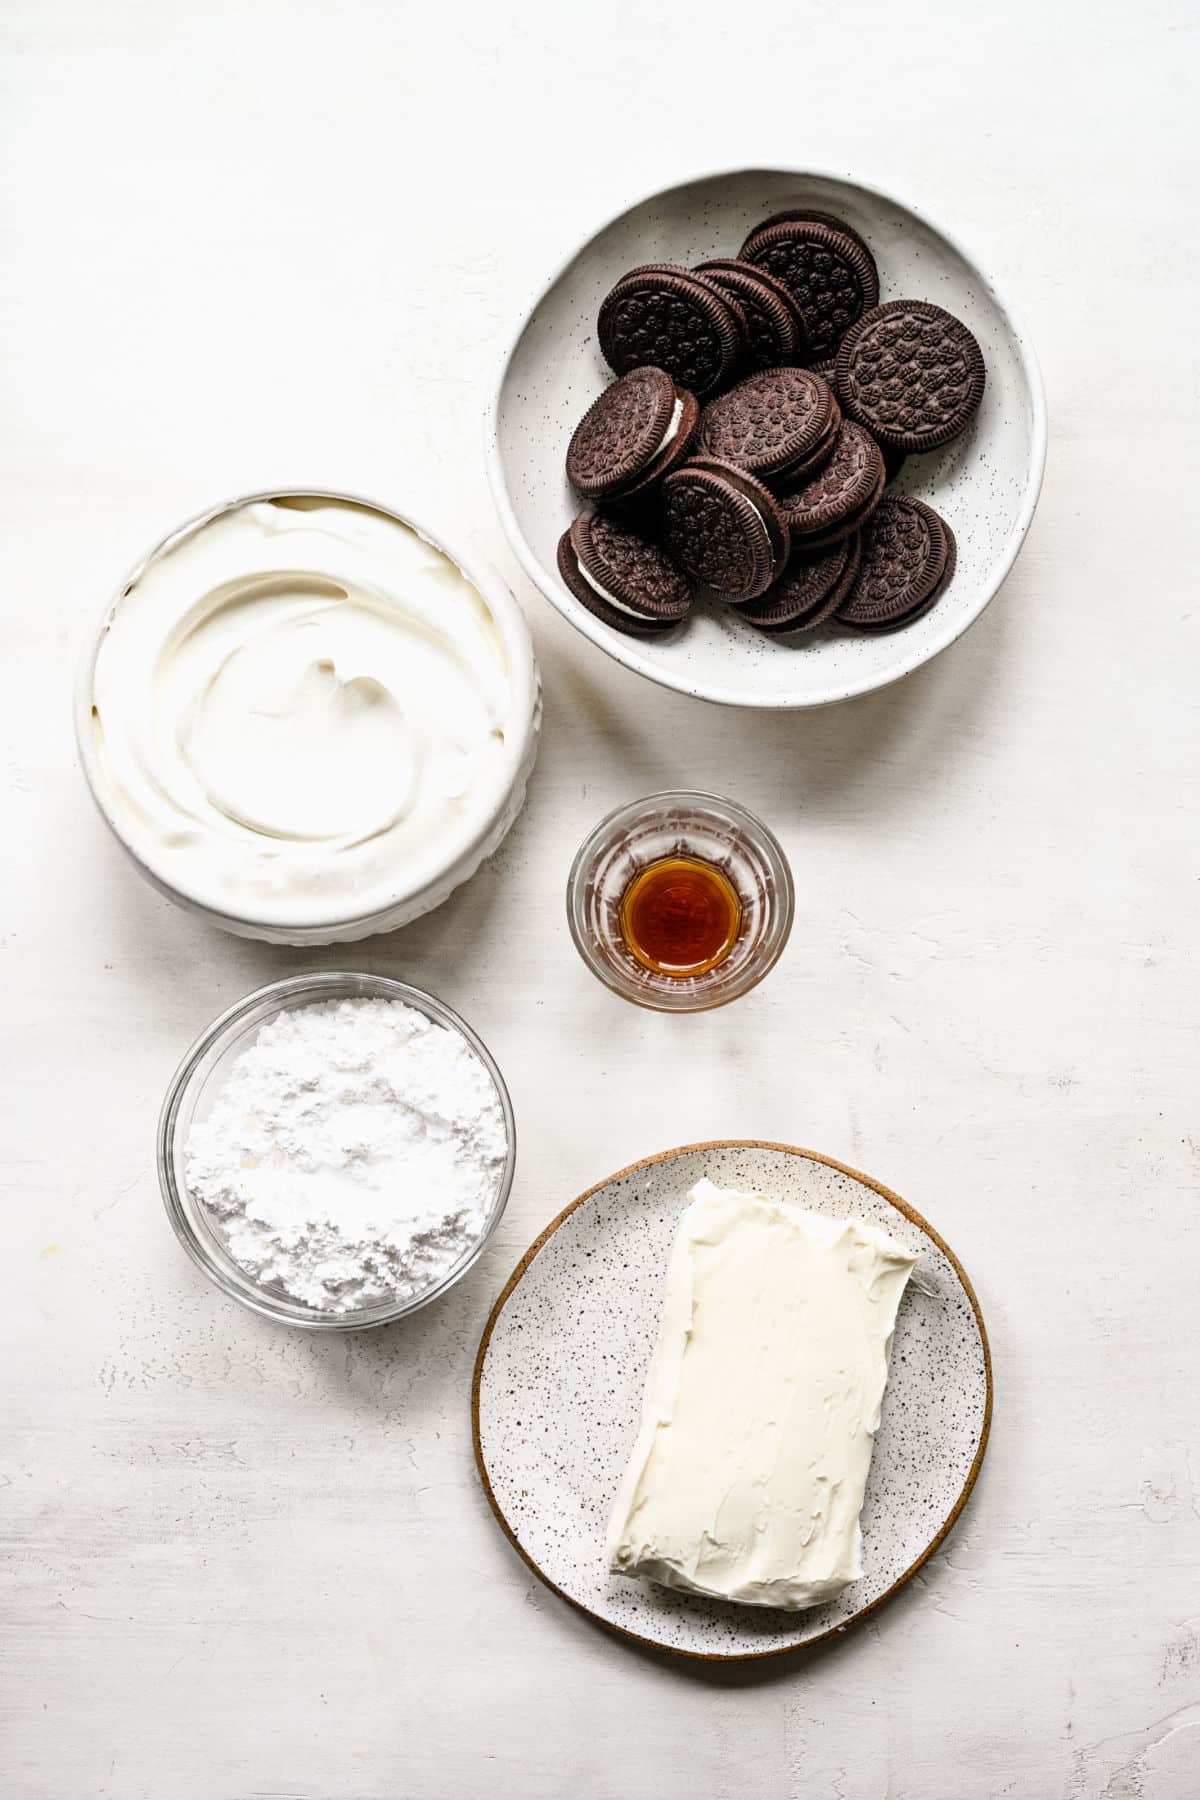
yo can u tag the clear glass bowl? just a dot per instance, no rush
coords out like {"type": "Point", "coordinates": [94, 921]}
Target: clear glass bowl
{"type": "Point", "coordinates": [713, 830]}
{"type": "Point", "coordinates": [190, 1096]}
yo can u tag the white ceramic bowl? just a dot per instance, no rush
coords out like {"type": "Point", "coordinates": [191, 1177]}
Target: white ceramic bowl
{"type": "Point", "coordinates": [406, 902]}
{"type": "Point", "coordinates": [986, 482]}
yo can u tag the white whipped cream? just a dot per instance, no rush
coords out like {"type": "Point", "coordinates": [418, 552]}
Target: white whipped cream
{"type": "Point", "coordinates": [298, 712]}
{"type": "Point", "coordinates": [761, 1404]}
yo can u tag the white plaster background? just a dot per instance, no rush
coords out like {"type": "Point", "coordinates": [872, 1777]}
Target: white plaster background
{"type": "Point", "coordinates": [251, 243]}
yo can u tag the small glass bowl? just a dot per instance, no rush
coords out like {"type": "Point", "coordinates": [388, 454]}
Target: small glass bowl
{"type": "Point", "coordinates": [715, 831]}
{"type": "Point", "coordinates": [191, 1093]}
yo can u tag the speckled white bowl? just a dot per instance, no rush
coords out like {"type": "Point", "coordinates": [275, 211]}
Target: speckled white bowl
{"type": "Point", "coordinates": [560, 1373]}
{"type": "Point", "coordinates": [986, 482]}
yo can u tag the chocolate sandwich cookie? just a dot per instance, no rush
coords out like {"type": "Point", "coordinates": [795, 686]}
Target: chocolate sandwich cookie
{"type": "Point", "coordinates": [828, 271]}
{"type": "Point", "coordinates": [736, 309]}
{"type": "Point", "coordinates": [669, 318]}
{"type": "Point", "coordinates": [641, 426]}
{"type": "Point", "coordinates": [809, 591]}
{"type": "Point", "coordinates": [842, 494]}
{"type": "Point", "coordinates": [773, 335]}
{"type": "Point", "coordinates": [907, 559]}
{"type": "Point", "coordinates": [778, 424]}
{"type": "Point", "coordinates": [911, 373]}
{"type": "Point", "coordinates": [621, 577]}
{"type": "Point", "coordinates": [723, 528]}
{"type": "Point", "coordinates": [917, 612]}
{"type": "Point", "coordinates": [811, 214]}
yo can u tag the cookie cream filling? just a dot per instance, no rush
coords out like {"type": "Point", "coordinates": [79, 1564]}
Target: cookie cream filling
{"type": "Point", "coordinates": [672, 431]}
{"type": "Point", "coordinates": [761, 1403]}
{"type": "Point", "coordinates": [298, 712]}
{"type": "Point", "coordinates": [754, 509]}
{"type": "Point", "coordinates": [629, 611]}
{"type": "Point", "coordinates": [767, 531]}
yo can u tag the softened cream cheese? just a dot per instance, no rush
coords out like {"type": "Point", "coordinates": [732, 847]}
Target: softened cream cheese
{"type": "Point", "coordinates": [761, 1404]}
{"type": "Point", "coordinates": [298, 712]}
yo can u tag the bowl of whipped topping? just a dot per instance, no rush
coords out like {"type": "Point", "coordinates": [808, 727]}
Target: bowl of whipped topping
{"type": "Point", "coordinates": [336, 1150]}
{"type": "Point", "coordinates": [307, 720]}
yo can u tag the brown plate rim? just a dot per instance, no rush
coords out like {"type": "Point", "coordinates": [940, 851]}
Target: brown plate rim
{"type": "Point", "coordinates": [646, 1162]}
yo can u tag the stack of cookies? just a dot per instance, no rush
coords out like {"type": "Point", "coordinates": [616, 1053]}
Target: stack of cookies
{"type": "Point", "coordinates": [762, 406]}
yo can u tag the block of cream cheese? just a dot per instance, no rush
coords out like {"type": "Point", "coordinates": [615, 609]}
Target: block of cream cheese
{"type": "Point", "coordinates": [762, 1403]}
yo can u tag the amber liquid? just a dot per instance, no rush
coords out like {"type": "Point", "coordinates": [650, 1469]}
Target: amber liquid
{"type": "Point", "coordinates": [680, 916]}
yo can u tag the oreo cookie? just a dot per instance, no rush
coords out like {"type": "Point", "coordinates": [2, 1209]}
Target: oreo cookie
{"type": "Point", "coordinates": [826, 268]}
{"type": "Point", "coordinates": [772, 326]}
{"type": "Point", "coordinates": [809, 591]}
{"type": "Point", "coordinates": [926, 605]}
{"type": "Point", "coordinates": [723, 528]}
{"type": "Point", "coordinates": [911, 373]}
{"type": "Point", "coordinates": [842, 494]}
{"type": "Point", "coordinates": [641, 426]}
{"type": "Point", "coordinates": [621, 577]}
{"type": "Point", "coordinates": [778, 424]}
{"type": "Point", "coordinates": [908, 557]}
{"type": "Point", "coordinates": [810, 214]}
{"type": "Point", "coordinates": [666, 317]}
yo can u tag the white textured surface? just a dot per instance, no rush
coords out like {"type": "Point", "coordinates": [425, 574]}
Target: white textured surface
{"type": "Point", "coordinates": [268, 243]}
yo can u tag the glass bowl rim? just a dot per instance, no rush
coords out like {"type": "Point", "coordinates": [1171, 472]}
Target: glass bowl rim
{"type": "Point", "coordinates": [331, 985]}
{"type": "Point", "coordinates": [645, 805]}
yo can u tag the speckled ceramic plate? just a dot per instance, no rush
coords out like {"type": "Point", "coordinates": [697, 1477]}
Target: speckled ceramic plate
{"type": "Point", "coordinates": [986, 482]}
{"type": "Point", "coordinates": [558, 1395]}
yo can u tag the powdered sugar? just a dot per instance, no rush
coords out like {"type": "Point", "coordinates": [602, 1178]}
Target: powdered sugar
{"type": "Point", "coordinates": [351, 1154]}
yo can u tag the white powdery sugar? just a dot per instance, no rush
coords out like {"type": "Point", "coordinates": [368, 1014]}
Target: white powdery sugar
{"type": "Point", "coordinates": [351, 1154]}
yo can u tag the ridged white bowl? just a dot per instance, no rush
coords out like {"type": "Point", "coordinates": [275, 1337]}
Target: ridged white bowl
{"type": "Point", "coordinates": [521, 742]}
